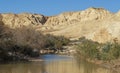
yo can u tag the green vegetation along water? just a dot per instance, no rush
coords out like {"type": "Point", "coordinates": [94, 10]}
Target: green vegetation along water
{"type": "Point", "coordinates": [26, 42]}
{"type": "Point", "coordinates": [54, 64]}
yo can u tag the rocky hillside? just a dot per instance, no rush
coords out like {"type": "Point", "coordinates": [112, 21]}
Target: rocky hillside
{"type": "Point", "coordinates": [23, 19]}
{"type": "Point", "coordinates": [96, 24]}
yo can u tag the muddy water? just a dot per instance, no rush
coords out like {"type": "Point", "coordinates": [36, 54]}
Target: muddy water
{"type": "Point", "coordinates": [54, 64]}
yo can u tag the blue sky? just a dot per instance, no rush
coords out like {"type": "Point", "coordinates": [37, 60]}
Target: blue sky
{"type": "Point", "coordinates": [53, 7]}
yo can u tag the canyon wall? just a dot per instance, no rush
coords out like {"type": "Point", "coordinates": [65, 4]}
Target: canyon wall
{"type": "Point", "coordinates": [96, 24]}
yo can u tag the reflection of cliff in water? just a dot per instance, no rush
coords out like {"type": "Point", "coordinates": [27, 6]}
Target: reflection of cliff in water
{"type": "Point", "coordinates": [87, 67]}
{"type": "Point", "coordinates": [33, 67]}
{"type": "Point", "coordinates": [54, 64]}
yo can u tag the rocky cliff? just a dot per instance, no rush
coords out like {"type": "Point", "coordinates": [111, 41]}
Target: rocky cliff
{"type": "Point", "coordinates": [96, 24]}
{"type": "Point", "coordinates": [23, 19]}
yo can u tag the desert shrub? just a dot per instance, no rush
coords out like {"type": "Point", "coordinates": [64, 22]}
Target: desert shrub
{"type": "Point", "coordinates": [55, 42]}
{"type": "Point", "coordinates": [90, 49]}
{"type": "Point", "coordinates": [110, 51]}
{"type": "Point", "coordinates": [28, 51]}
{"type": "Point", "coordinates": [26, 41]}
{"type": "Point", "coordinates": [29, 36]}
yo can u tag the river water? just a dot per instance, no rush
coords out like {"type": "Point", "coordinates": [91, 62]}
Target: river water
{"type": "Point", "coordinates": [54, 64]}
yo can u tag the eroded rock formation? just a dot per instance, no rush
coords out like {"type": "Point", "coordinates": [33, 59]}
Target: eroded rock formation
{"type": "Point", "coordinates": [97, 24]}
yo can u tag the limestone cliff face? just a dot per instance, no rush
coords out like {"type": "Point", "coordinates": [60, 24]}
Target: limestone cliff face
{"type": "Point", "coordinates": [89, 23]}
{"type": "Point", "coordinates": [26, 19]}
{"type": "Point", "coordinates": [97, 24]}
{"type": "Point", "coordinates": [81, 16]}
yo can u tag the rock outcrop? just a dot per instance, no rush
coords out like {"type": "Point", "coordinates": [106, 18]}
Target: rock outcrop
{"type": "Point", "coordinates": [73, 17]}
{"type": "Point", "coordinates": [96, 24]}
{"type": "Point", "coordinates": [26, 19]}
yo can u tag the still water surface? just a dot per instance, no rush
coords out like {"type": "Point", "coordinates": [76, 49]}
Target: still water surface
{"type": "Point", "coordinates": [54, 64]}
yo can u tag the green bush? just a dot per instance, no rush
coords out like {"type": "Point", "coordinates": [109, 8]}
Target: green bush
{"type": "Point", "coordinates": [110, 51]}
{"type": "Point", "coordinates": [89, 49]}
{"type": "Point", "coordinates": [26, 41]}
{"type": "Point", "coordinates": [55, 42]}
{"type": "Point", "coordinates": [93, 50]}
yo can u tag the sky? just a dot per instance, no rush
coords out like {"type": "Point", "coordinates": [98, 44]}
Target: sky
{"type": "Point", "coordinates": [54, 7]}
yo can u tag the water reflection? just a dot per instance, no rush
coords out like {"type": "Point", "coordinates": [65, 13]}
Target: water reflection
{"type": "Point", "coordinates": [61, 64]}
{"type": "Point", "coordinates": [86, 67]}
{"type": "Point", "coordinates": [36, 67]}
